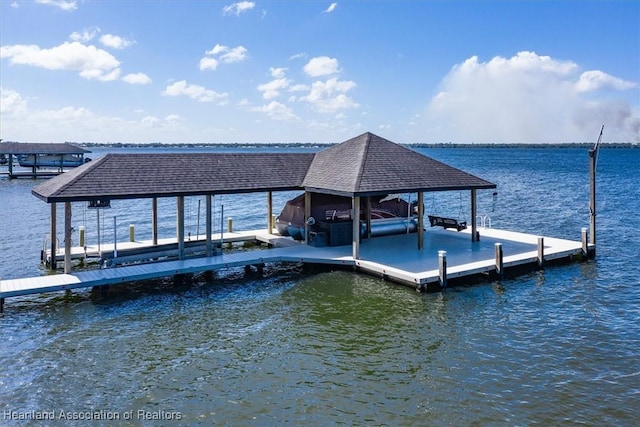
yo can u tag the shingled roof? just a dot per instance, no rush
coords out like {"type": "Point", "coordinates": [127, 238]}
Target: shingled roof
{"type": "Point", "coordinates": [364, 165]}
{"type": "Point", "coordinates": [40, 148]}
{"type": "Point", "coordinates": [128, 176]}
{"type": "Point", "coordinates": [370, 165]}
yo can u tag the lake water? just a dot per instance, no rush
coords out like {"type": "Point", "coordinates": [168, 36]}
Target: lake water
{"type": "Point", "coordinates": [308, 346]}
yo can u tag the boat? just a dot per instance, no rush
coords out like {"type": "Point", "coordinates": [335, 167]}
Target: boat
{"type": "Point", "coordinates": [52, 160]}
{"type": "Point", "coordinates": [390, 214]}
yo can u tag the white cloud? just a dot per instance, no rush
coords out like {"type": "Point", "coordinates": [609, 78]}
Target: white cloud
{"type": "Point", "coordinates": [93, 63]}
{"type": "Point", "coordinates": [595, 80]}
{"type": "Point", "coordinates": [238, 8]}
{"type": "Point", "coordinates": [137, 79]}
{"type": "Point", "coordinates": [236, 54]}
{"type": "Point", "coordinates": [331, 8]}
{"type": "Point", "coordinates": [217, 49]}
{"type": "Point", "coordinates": [527, 98]}
{"type": "Point", "coordinates": [115, 42]}
{"type": "Point", "coordinates": [321, 66]}
{"type": "Point", "coordinates": [86, 35]}
{"type": "Point", "coordinates": [277, 111]}
{"type": "Point", "coordinates": [60, 4]}
{"type": "Point", "coordinates": [272, 89]}
{"type": "Point", "coordinates": [330, 96]}
{"type": "Point", "coordinates": [11, 102]}
{"type": "Point", "coordinates": [207, 63]}
{"type": "Point", "coordinates": [196, 92]}
{"type": "Point", "coordinates": [224, 55]}
{"type": "Point", "coordinates": [278, 73]}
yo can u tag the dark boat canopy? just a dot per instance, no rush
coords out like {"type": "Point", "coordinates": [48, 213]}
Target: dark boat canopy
{"type": "Point", "coordinates": [362, 166]}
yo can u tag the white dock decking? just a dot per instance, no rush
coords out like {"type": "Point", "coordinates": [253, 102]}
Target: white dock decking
{"type": "Point", "coordinates": [394, 257]}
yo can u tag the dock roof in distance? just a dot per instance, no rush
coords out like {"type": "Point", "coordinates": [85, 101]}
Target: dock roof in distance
{"type": "Point", "coordinates": [40, 148]}
{"type": "Point", "coordinates": [364, 165]}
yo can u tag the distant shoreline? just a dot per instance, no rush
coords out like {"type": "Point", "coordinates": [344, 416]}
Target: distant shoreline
{"type": "Point", "coordinates": [324, 145]}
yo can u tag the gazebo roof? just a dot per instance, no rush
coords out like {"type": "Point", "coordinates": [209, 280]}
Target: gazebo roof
{"type": "Point", "coordinates": [40, 148]}
{"type": "Point", "coordinates": [364, 165]}
{"type": "Point", "coordinates": [369, 165]}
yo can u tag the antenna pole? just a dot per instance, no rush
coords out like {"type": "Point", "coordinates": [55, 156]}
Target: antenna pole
{"type": "Point", "coordinates": [593, 160]}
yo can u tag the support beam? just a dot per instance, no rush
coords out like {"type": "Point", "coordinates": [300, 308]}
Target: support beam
{"type": "Point", "coordinates": [474, 214]}
{"type": "Point", "coordinates": [67, 237]}
{"type": "Point", "coordinates": [356, 227]}
{"type": "Point", "coordinates": [368, 216]}
{"type": "Point", "coordinates": [420, 220]}
{"type": "Point", "coordinates": [269, 212]}
{"type": "Point", "coordinates": [180, 227]}
{"type": "Point", "coordinates": [53, 232]}
{"type": "Point", "coordinates": [307, 214]}
{"type": "Point", "coordinates": [154, 221]}
{"type": "Point", "coordinates": [209, 225]}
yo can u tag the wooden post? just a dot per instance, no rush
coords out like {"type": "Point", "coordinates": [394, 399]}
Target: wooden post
{"type": "Point", "coordinates": [356, 227]}
{"type": "Point", "coordinates": [420, 220]}
{"type": "Point", "coordinates": [67, 237]}
{"type": "Point", "coordinates": [499, 261]}
{"type": "Point", "coordinates": [307, 214]}
{"type": "Point", "coordinates": [82, 236]}
{"type": "Point", "coordinates": [132, 233]}
{"type": "Point", "coordinates": [154, 221]}
{"type": "Point", "coordinates": [180, 226]}
{"type": "Point", "coordinates": [585, 242]}
{"type": "Point", "coordinates": [442, 268]}
{"type": "Point", "coordinates": [593, 160]}
{"type": "Point", "coordinates": [53, 231]}
{"type": "Point", "coordinates": [269, 212]}
{"type": "Point", "coordinates": [208, 225]}
{"type": "Point", "coordinates": [540, 252]}
{"type": "Point", "coordinates": [230, 225]}
{"type": "Point", "coordinates": [474, 225]}
{"type": "Point", "coordinates": [368, 216]}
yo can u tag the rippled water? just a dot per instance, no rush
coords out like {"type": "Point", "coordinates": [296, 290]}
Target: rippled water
{"type": "Point", "coordinates": [309, 346]}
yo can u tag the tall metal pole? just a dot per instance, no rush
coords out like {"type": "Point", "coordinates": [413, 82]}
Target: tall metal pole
{"type": "Point", "coordinates": [593, 161]}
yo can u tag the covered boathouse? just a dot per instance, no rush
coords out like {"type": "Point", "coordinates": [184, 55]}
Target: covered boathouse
{"type": "Point", "coordinates": [361, 167]}
{"type": "Point", "coordinates": [39, 160]}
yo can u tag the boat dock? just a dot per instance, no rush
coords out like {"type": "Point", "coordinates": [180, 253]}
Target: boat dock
{"type": "Point", "coordinates": [38, 160]}
{"type": "Point", "coordinates": [392, 257]}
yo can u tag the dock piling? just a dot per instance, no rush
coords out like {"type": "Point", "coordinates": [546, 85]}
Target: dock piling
{"type": "Point", "coordinates": [540, 252]}
{"type": "Point", "coordinates": [499, 261]}
{"type": "Point", "coordinates": [442, 268]}
{"type": "Point", "coordinates": [585, 242]}
{"type": "Point", "coordinates": [132, 233]}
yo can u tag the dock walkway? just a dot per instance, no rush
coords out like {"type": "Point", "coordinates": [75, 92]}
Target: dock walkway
{"type": "Point", "coordinates": [393, 257]}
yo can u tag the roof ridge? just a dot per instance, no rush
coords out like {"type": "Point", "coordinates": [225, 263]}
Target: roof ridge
{"type": "Point", "coordinates": [362, 168]}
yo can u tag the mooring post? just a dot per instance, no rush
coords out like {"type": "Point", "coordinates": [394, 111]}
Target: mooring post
{"type": "Point", "coordinates": [499, 261]}
{"type": "Point", "coordinates": [132, 233]}
{"type": "Point", "coordinates": [540, 252]}
{"type": "Point", "coordinates": [585, 242]}
{"type": "Point", "coordinates": [442, 268]}
{"type": "Point", "coordinates": [230, 225]}
{"type": "Point", "coordinates": [82, 233]}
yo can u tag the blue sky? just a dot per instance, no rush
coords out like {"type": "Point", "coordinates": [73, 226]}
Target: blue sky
{"type": "Point", "coordinates": [317, 71]}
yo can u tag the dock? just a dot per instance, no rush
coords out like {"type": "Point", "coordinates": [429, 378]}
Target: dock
{"type": "Point", "coordinates": [393, 258]}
